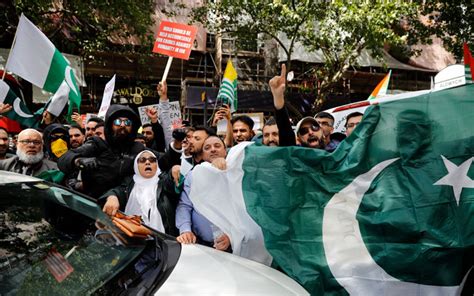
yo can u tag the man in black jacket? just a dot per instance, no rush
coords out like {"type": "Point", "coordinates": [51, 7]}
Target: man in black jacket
{"type": "Point", "coordinates": [104, 164]}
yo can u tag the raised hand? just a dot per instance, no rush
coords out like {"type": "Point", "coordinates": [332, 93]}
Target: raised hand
{"type": "Point", "coordinates": [152, 113]}
{"type": "Point", "coordinates": [162, 89]}
{"type": "Point", "coordinates": [277, 86]}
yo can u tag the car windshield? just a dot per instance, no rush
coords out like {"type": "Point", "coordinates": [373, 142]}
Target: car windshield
{"type": "Point", "coordinates": [57, 242]}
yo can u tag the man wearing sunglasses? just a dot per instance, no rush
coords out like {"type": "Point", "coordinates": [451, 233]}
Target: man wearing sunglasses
{"type": "Point", "coordinates": [308, 131]}
{"type": "Point", "coordinates": [105, 163]}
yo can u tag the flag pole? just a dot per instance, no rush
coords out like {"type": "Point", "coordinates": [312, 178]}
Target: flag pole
{"type": "Point", "coordinates": [167, 69]}
{"type": "Point", "coordinates": [13, 45]}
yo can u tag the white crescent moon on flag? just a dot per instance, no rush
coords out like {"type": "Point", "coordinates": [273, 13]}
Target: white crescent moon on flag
{"type": "Point", "coordinates": [68, 77]}
{"type": "Point", "coordinates": [17, 108]}
{"type": "Point", "coordinates": [347, 255]}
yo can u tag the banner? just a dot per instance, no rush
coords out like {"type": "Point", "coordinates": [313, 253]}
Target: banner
{"type": "Point", "coordinates": [175, 40]}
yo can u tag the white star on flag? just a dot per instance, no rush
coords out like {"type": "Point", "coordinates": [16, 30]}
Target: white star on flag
{"type": "Point", "coordinates": [456, 177]}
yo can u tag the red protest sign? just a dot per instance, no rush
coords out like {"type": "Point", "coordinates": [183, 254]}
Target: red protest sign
{"type": "Point", "coordinates": [175, 40]}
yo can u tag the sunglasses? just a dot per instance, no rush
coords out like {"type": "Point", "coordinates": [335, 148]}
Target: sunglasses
{"type": "Point", "coordinates": [143, 159]}
{"type": "Point", "coordinates": [304, 130]}
{"type": "Point", "coordinates": [126, 122]}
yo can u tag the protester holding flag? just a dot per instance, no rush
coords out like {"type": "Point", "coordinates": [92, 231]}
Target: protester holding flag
{"type": "Point", "coordinates": [193, 226]}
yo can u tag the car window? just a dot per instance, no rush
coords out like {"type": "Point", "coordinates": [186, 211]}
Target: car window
{"type": "Point", "coordinates": [55, 242]}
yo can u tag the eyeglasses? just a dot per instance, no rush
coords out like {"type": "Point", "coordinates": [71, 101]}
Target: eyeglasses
{"type": "Point", "coordinates": [352, 125]}
{"type": "Point", "coordinates": [304, 130]}
{"type": "Point", "coordinates": [143, 159]}
{"type": "Point", "coordinates": [126, 122]}
{"type": "Point", "coordinates": [34, 142]}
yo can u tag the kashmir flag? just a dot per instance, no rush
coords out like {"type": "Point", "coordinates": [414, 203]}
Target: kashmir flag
{"type": "Point", "coordinates": [20, 111]}
{"type": "Point", "coordinates": [381, 88]}
{"type": "Point", "coordinates": [34, 58]}
{"type": "Point", "coordinates": [468, 64]}
{"type": "Point", "coordinates": [228, 90]}
{"type": "Point", "coordinates": [389, 212]}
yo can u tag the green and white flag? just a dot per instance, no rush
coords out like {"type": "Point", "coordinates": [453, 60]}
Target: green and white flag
{"type": "Point", "coordinates": [228, 90]}
{"type": "Point", "coordinates": [34, 58]}
{"type": "Point", "coordinates": [20, 111]}
{"type": "Point", "coordinates": [389, 212]}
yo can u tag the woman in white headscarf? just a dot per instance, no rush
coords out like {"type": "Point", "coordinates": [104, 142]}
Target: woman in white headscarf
{"type": "Point", "coordinates": [148, 194]}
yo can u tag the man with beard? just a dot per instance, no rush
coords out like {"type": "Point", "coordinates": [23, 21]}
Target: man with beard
{"type": "Point", "coordinates": [29, 159]}
{"type": "Point", "coordinates": [100, 131]}
{"type": "Point", "coordinates": [309, 133]}
{"type": "Point", "coordinates": [270, 135]}
{"type": "Point", "coordinates": [76, 136]}
{"type": "Point", "coordinates": [194, 227]}
{"type": "Point", "coordinates": [242, 129]}
{"type": "Point", "coordinates": [104, 164]}
{"type": "Point", "coordinates": [195, 143]}
{"type": "Point", "coordinates": [4, 144]}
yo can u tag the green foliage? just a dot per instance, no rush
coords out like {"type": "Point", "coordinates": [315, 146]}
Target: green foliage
{"type": "Point", "coordinates": [452, 21]}
{"type": "Point", "coordinates": [339, 29]}
{"type": "Point", "coordinates": [82, 27]}
{"type": "Point", "coordinates": [345, 29]}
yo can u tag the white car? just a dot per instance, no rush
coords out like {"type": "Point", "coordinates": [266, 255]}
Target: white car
{"type": "Point", "coordinates": [57, 242]}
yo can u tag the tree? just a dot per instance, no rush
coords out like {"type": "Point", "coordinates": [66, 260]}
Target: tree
{"type": "Point", "coordinates": [82, 27]}
{"type": "Point", "coordinates": [339, 29]}
{"type": "Point", "coordinates": [346, 28]}
{"type": "Point", "coordinates": [452, 21]}
{"type": "Point", "coordinates": [249, 18]}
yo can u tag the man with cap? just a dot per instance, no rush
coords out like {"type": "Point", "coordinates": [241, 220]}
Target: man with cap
{"type": "Point", "coordinates": [308, 131]}
{"type": "Point", "coordinates": [104, 163]}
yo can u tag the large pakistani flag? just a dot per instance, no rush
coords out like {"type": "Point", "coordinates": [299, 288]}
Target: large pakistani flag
{"type": "Point", "coordinates": [34, 58]}
{"type": "Point", "coordinates": [390, 212]}
{"type": "Point", "coordinates": [19, 111]}
{"type": "Point", "coordinates": [228, 90]}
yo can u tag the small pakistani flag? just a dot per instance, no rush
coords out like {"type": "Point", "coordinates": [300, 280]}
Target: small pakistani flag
{"type": "Point", "coordinates": [19, 110]}
{"type": "Point", "coordinates": [228, 90]}
{"type": "Point", "coordinates": [389, 212]}
{"type": "Point", "coordinates": [468, 64]}
{"type": "Point", "coordinates": [34, 58]}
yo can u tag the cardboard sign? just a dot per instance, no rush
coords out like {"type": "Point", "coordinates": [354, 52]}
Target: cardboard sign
{"type": "Point", "coordinates": [107, 97]}
{"type": "Point", "coordinates": [175, 113]}
{"type": "Point", "coordinates": [175, 40]}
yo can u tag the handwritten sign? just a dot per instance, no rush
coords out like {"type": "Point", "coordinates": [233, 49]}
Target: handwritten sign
{"type": "Point", "coordinates": [175, 113]}
{"type": "Point", "coordinates": [175, 40]}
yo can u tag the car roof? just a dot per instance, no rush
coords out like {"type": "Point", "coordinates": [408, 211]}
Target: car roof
{"type": "Point", "coordinates": [10, 177]}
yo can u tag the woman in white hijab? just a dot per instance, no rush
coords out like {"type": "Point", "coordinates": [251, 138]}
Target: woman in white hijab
{"type": "Point", "coordinates": [148, 194]}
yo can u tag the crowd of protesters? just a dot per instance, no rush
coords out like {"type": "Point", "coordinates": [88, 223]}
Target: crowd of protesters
{"type": "Point", "coordinates": [146, 170]}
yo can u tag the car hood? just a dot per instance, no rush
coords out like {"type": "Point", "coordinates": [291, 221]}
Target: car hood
{"type": "Point", "coordinates": [205, 271]}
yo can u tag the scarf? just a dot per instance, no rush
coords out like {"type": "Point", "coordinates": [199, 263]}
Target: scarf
{"type": "Point", "coordinates": [142, 199]}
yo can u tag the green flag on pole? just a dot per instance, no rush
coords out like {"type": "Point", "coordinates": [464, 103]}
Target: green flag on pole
{"type": "Point", "coordinates": [34, 58]}
{"type": "Point", "coordinates": [389, 212]}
